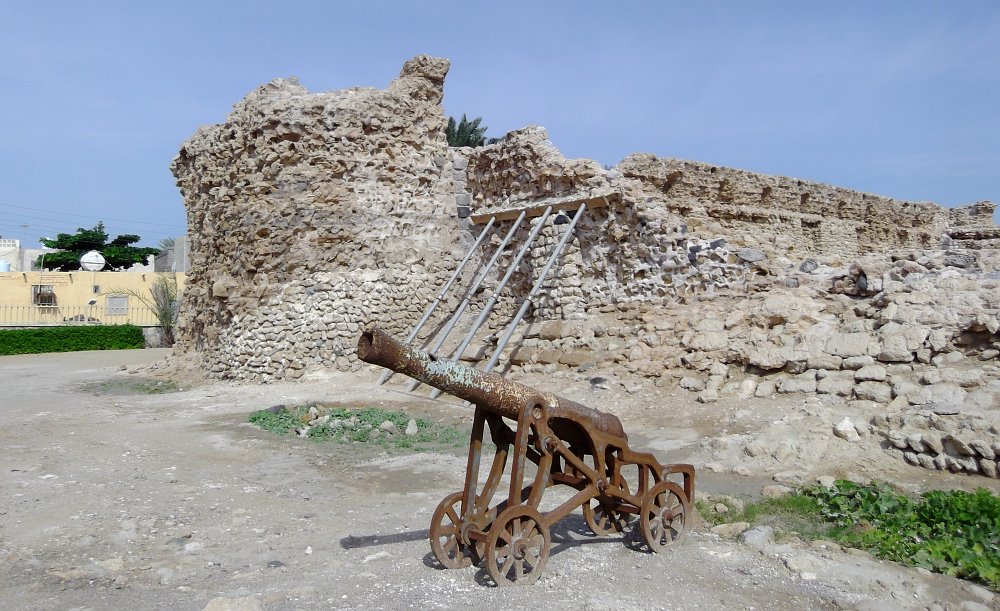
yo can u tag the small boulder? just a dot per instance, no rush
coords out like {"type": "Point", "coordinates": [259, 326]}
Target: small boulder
{"type": "Point", "coordinates": [389, 427]}
{"type": "Point", "coordinates": [411, 428]}
{"type": "Point", "coordinates": [846, 431]}
{"type": "Point", "coordinates": [758, 537]}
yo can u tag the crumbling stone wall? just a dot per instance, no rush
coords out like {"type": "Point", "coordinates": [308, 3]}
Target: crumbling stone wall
{"type": "Point", "coordinates": [786, 214]}
{"type": "Point", "coordinates": [626, 247]}
{"type": "Point", "coordinates": [314, 213]}
{"type": "Point", "coordinates": [660, 231]}
{"type": "Point", "coordinates": [311, 213]}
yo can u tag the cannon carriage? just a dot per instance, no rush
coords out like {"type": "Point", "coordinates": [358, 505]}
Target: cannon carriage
{"type": "Point", "coordinates": [570, 445]}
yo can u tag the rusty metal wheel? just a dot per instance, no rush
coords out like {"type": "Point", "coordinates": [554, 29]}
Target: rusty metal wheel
{"type": "Point", "coordinates": [517, 547]}
{"type": "Point", "coordinates": [603, 518]}
{"type": "Point", "coordinates": [663, 515]}
{"type": "Point", "coordinates": [445, 533]}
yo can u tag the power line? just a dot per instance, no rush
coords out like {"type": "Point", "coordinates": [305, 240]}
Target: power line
{"type": "Point", "coordinates": [87, 216]}
{"type": "Point", "coordinates": [20, 225]}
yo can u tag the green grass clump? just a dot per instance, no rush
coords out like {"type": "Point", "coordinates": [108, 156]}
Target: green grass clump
{"type": "Point", "coordinates": [359, 426]}
{"type": "Point", "coordinates": [131, 386]}
{"type": "Point", "coordinates": [796, 513]}
{"type": "Point", "coordinates": [952, 532]}
{"type": "Point", "coordinates": [70, 339]}
{"type": "Point", "coordinates": [280, 423]}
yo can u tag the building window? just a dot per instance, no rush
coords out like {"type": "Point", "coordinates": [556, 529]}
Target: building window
{"type": "Point", "coordinates": [43, 295]}
{"type": "Point", "coordinates": [116, 305]}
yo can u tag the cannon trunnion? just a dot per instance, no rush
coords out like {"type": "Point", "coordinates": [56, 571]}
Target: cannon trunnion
{"type": "Point", "coordinates": [570, 444]}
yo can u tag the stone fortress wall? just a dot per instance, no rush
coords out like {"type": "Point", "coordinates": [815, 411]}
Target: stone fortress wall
{"type": "Point", "coordinates": [310, 214]}
{"type": "Point", "coordinates": [663, 230]}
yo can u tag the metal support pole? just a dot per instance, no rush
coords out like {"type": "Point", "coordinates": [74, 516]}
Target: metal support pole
{"type": "Point", "coordinates": [534, 290]}
{"type": "Point", "coordinates": [444, 290]}
{"type": "Point", "coordinates": [472, 290]}
{"type": "Point", "coordinates": [493, 299]}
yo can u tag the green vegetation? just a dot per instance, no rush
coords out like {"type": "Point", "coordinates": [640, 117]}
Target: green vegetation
{"type": "Point", "coordinates": [70, 339]}
{"type": "Point", "coordinates": [131, 386]}
{"type": "Point", "coordinates": [952, 532]}
{"type": "Point", "coordinates": [340, 424]}
{"type": "Point", "coordinates": [467, 133]}
{"type": "Point", "coordinates": [119, 253]}
{"type": "Point", "coordinates": [162, 300]}
{"type": "Point", "coordinates": [796, 513]}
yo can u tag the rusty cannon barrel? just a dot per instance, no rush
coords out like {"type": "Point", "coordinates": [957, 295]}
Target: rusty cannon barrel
{"type": "Point", "coordinates": [489, 391]}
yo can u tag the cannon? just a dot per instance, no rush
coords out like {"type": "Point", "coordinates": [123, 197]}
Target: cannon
{"type": "Point", "coordinates": [570, 445]}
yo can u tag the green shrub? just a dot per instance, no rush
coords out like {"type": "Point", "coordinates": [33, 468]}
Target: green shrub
{"type": "Point", "coordinates": [952, 532]}
{"type": "Point", "coordinates": [70, 339]}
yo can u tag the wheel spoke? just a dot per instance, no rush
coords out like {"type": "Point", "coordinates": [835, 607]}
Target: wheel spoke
{"type": "Point", "coordinates": [531, 560]}
{"type": "Point", "coordinates": [536, 542]}
{"type": "Point", "coordinates": [506, 566]}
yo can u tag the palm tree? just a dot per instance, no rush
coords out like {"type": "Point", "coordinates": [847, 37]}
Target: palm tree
{"type": "Point", "coordinates": [163, 300]}
{"type": "Point", "coordinates": [467, 133]}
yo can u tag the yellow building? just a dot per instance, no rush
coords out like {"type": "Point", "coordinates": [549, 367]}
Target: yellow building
{"type": "Point", "coordinates": [29, 299]}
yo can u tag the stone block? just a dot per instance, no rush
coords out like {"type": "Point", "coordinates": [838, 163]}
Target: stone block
{"type": "Point", "coordinates": [849, 344]}
{"type": "Point", "coordinates": [576, 358]}
{"type": "Point", "coordinates": [797, 384]}
{"type": "Point", "coordinates": [870, 373]}
{"type": "Point", "coordinates": [524, 356]}
{"type": "Point", "coordinates": [878, 392]}
{"type": "Point", "coordinates": [709, 341]}
{"type": "Point", "coordinates": [947, 393]}
{"type": "Point", "coordinates": [692, 384]}
{"type": "Point", "coordinates": [839, 386]}
{"type": "Point", "coordinates": [765, 388]}
{"type": "Point", "coordinates": [549, 356]}
{"type": "Point", "coordinates": [894, 350]}
{"type": "Point", "coordinates": [824, 361]}
{"type": "Point", "coordinates": [857, 362]}
{"type": "Point", "coordinates": [552, 330]}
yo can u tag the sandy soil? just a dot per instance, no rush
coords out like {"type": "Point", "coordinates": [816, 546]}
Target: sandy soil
{"type": "Point", "coordinates": [112, 499]}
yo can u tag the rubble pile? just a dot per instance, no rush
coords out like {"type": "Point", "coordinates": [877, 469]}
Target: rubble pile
{"type": "Point", "coordinates": [944, 439]}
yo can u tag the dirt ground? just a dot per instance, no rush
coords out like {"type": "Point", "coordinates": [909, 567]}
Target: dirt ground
{"type": "Point", "coordinates": [115, 498]}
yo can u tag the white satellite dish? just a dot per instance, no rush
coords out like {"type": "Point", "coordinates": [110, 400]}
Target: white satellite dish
{"type": "Point", "coordinates": [93, 261]}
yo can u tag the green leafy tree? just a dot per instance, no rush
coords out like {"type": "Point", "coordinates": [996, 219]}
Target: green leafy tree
{"type": "Point", "coordinates": [467, 133]}
{"type": "Point", "coordinates": [163, 300]}
{"type": "Point", "coordinates": [119, 252]}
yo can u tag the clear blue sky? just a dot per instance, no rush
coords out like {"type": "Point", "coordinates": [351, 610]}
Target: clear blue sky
{"type": "Point", "coordinates": [895, 98]}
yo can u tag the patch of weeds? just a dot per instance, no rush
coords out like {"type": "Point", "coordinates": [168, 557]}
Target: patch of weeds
{"type": "Point", "coordinates": [280, 422]}
{"type": "Point", "coordinates": [131, 386]}
{"type": "Point", "coordinates": [952, 532]}
{"type": "Point", "coordinates": [340, 424]}
{"type": "Point", "coordinates": [793, 514]}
